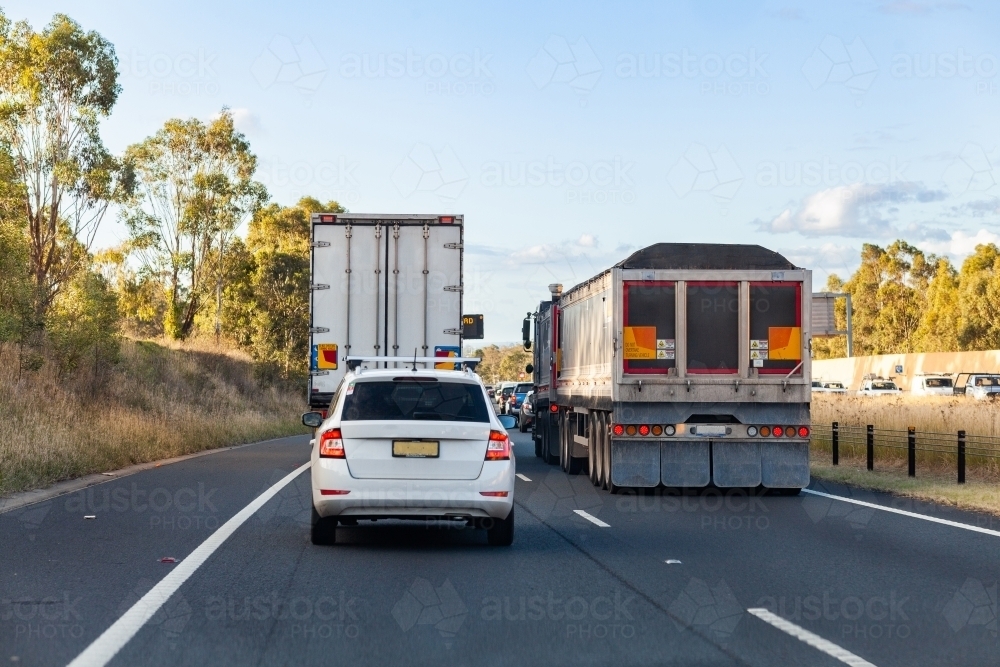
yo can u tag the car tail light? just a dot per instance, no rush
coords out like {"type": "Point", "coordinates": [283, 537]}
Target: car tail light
{"type": "Point", "coordinates": [803, 431]}
{"type": "Point", "coordinates": [494, 494]}
{"type": "Point", "coordinates": [618, 429]}
{"type": "Point", "coordinates": [553, 408]}
{"type": "Point", "coordinates": [498, 448]}
{"type": "Point", "coordinates": [644, 429]}
{"type": "Point", "coordinates": [670, 429]}
{"type": "Point", "coordinates": [777, 431]}
{"type": "Point", "coordinates": [446, 219]}
{"type": "Point", "coordinates": [657, 429]}
{"type": "Point", "coordinates": [333, 492]}
{"type": "Point", "coordinates": [751, 431]}
{"type": "Point", "coordinates": [790, 431]}
{"type": "Point", "coordinates": [331, 445]}
{"type": "Point", "coordinates": [630, 429]}
{"type": "Point", "coordinates": [765, 431]}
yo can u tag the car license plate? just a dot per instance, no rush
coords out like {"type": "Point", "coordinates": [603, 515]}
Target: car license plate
{"type": "Point", "coordinates": [711, 429]}
{"type": "Point", "coordinates": [415, 449]}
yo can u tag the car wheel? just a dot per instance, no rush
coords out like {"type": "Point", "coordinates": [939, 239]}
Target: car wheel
{"type": "Point", "coordinates": [520, 426]}
{"type": "Point", "coordinates": [501, 533]}
{"type": "Point", "coordinates": [324, 530]}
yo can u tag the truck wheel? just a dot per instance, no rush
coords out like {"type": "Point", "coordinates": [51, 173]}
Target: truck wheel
{"type": "Point", "coordinates": [324, 530]}
{"type": "Point", "coordinates": [564, 445]}
{"type": "Point", "coordinates": [501, 533]}
{"type": "Point", "coordinates": [538, 447]}
{"type": "Point", "coordinates": [599, 440]}
{"type": "Point", "coordinates": [608, 484]}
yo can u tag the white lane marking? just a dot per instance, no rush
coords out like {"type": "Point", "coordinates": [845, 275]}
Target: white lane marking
{"type": "Point", "coordinates": [592, 519]}
{"type": "Point", "coordinates": [522, 477]}
{"type": "Point", "coordinates": [121, 631]}
{"type": "Point", "coordinates": [815, 641]}
{"type": "Point", "coordinates": [673, 562]}
{"type": "Point", "coordinates": [934, 519]}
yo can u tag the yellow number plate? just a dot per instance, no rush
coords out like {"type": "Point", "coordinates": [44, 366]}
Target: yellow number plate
{"type": "Point", "coordinates": [415, 449]}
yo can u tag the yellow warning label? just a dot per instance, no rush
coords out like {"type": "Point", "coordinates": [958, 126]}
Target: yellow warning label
{"type": "Point", "coordinates": [639, 343]}
{"type": "Point", "coordinates": [784, 343]}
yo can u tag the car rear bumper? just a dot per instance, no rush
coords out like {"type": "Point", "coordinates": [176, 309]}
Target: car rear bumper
{"type": "Point", "coordinates": [411, 498]}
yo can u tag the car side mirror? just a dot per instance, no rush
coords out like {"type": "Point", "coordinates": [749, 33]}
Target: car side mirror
{"type": "Point", "coordinates": [507, 421]}
{"type": "Point", "coordinates": [312, 419]}
{"type": "Point", "coordinates": [529, 369]}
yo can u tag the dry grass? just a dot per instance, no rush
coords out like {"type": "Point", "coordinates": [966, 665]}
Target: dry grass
{"type": "Point", "coordinates": [936, 479]}
{"type": "Point", "coordinates": [935, 414]}
{"type": "Point", "coordinates": [161, 400]}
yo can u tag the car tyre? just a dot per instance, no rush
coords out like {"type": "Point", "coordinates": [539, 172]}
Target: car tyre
{"type": "Point", "coordinates": [324, 529]}
{"type": "Point", "coordinates": [501, 533]}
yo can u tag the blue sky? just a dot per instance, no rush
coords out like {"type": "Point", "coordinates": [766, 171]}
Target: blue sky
{"type": "Point", "coordinates": [570, 134]}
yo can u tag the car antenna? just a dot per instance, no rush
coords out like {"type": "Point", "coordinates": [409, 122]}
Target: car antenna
{"type": "Point", "coordinates": [414, 360]}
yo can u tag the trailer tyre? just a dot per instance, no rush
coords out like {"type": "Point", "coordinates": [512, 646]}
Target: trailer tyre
{"type": "Point", "coordinates": [592, 453]}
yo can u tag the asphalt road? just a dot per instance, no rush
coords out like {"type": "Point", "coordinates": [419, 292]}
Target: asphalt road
{"type": "Point", "coordinates": [890, 589]}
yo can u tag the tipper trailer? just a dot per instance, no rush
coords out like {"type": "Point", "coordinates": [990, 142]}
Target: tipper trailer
{"type": "Point", "coordinates": [382, 286]}
{"type": "Point", "coordinates": [683, 365]}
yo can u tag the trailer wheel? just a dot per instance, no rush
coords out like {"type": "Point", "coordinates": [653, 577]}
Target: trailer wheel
{"type": "Point", "coordinates": [592, 454]}
{"type": "Point", "coordinates": [564, 443]}
{"type": "Point", "coordinates": [551, 423]}
{"type": "Point", "coordinates": [601, 442]}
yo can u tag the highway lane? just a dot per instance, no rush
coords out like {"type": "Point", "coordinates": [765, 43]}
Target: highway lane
{"type": "Point", "coordinates": [890, 589]}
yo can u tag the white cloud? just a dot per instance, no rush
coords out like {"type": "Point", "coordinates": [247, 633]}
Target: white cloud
{"type": "Point", "coordinates": [587, 241]}
{"type": "Point", "coordinates": [244, 120]}
{"type": "Point", "coordinates": [856, 210]}
{"type": "Point", "coordinates": [960, 244]}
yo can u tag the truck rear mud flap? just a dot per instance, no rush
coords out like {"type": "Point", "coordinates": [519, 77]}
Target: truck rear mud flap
{"type": "Point", "coordinates": [679, 463]}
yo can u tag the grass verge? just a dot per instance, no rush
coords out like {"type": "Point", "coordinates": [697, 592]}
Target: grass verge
{"type": "Point", "coordinates": [159, 401]}
{"type": "Point", "coordinates": [980, 494]}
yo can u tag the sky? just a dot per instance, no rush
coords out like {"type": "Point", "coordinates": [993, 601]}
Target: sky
{"type": "Point", "coordinates": [572, 134]}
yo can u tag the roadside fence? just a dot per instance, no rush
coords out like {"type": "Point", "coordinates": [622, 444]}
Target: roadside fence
{"type": "Point", "coordinates": [932, 450]}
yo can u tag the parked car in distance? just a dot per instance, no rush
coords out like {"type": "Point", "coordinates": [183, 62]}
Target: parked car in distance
{"type": "Point", "coordinates": [932, 384]}
{"type": "Point", "coordinates": [879, 387]}
{"type": "Point", "coordinates": [526, 415]}
{"type": "Point", "coordinates": [821, 387]}
{"type": "Point", "coordinates": [977, 385]}
{"type": "Point", "coordinates": [491, 391]}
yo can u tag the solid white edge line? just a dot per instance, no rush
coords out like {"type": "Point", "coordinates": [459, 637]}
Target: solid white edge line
{"type": "Point", "coordinates": [815, 641]}
{"type": "Point", "coordinates": [934, 519]}
{"type": "Point", "coordinates": [522, 477]}
{"type": "Point", "coordinates": [592, 519]}
{"type": "Point", "coordinates": [104, 648]}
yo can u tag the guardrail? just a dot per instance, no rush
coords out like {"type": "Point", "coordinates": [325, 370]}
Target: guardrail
{"type": "Point", "coordinates": [959, 449]}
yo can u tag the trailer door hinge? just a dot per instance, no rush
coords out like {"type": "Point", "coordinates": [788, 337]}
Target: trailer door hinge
{"type": "Point", "coordinates": [314, 330]}
{"type": "Point", "coordinates": [453, 332]}
{"type": "Point", "coordinates": [319, 287]}
{"type": "Point", "coordinates": [320, 244]}
{"type": "Point", "coordinates": [454, 246]}
{"type": "Point", "coordinates": [452, 288]}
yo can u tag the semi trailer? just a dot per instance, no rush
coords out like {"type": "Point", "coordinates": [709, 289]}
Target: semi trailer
{"type": "Point", "coordinates": [382, 286]}
{"type": "Point", "coordinates": [684, 365]}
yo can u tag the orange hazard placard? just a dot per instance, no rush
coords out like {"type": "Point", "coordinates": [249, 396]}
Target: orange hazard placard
{"type": "Point", "coordinates": [784, 343]}
{"type": "Point", "coordinates": [639, 343]}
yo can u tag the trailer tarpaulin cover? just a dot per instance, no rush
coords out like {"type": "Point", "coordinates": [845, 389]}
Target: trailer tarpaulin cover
{"type": "Point", "coordinates": [706, 256]}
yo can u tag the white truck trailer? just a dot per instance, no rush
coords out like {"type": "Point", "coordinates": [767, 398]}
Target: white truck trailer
{"type": "Point", "coordinates": [683, 365]}
{"type": "Point", "coordinates": [382, 286]}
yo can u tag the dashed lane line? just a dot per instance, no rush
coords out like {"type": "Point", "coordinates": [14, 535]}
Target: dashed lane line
{"type": "Point", "coordinates": [815, 641]}
{"type": "Point", "coordinates": [592, 519]}
{"type": "Point", "coordinates": [121, 631]}
{"type": "Point", "coordinates": [522, 477]}
{"type": "Point", "coordinates": [934, 519]}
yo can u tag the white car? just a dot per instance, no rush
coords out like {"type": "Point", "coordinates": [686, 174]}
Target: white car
{"type": "Point", "coordinates": [879, 387]}
{"type": "Point", "coordinates": [821, 387]}
{"type": "Point", "coordinates": [412, 444]}
{"type": "Point", "coordinates": [933, 385]}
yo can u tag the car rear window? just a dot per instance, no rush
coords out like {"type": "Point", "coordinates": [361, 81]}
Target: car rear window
{"type": "Point", "coordinates": [522, 388]}
{"type": "Point", "coordinates": [937, 382]}
{"type": "Point", "coordinates": [384, 400]}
